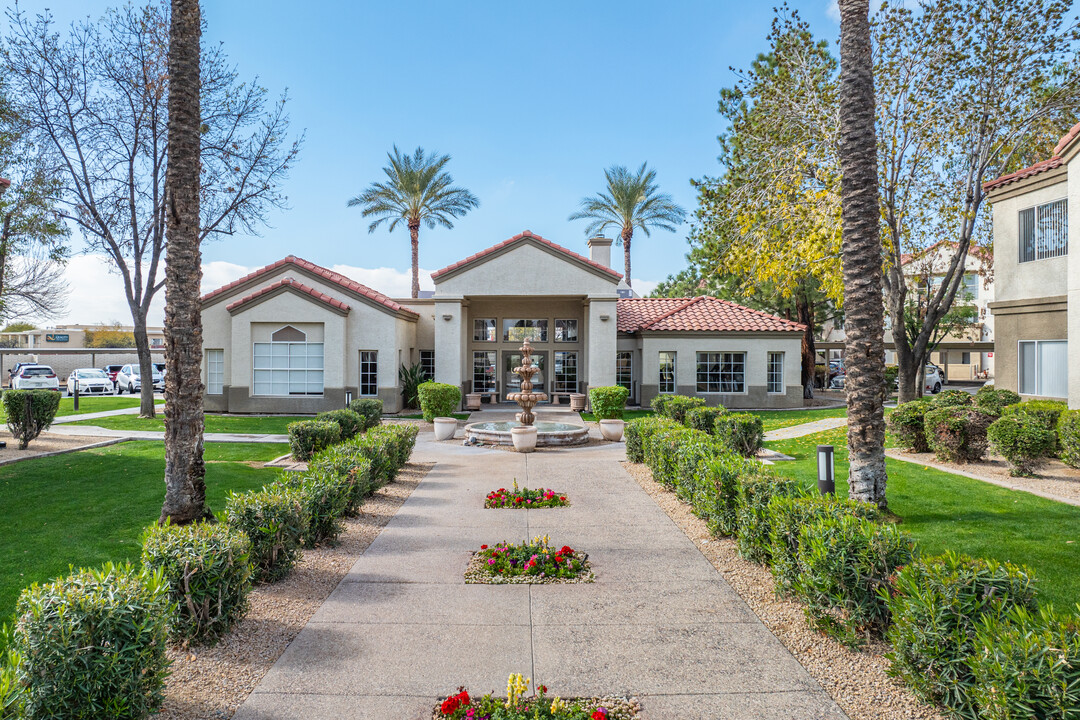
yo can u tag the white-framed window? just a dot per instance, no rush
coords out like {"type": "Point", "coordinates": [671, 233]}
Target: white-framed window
{"type": "Point", "coordinates": [667, 372]}
{"type": "Point", "coordinates": [566, 331]}
{"type": "Point", "coordinates": [1044, 231]}
{"type": "Point", "coordinates": [970, 288]}
{"type": "Point", "coordinates": [1044, 368]}
{"type": "Point", "coordinates": [369, 373]}
{"type": "Point", "coordinates": [624, 370]}
{"type": "Point", "coordinates": [566, 372]}
{"type": "Point", "coordinates": [427, 364]}
{"type": "Point", "coordinates": [516, 330]}
{"type": "Point", "coordinates": [774, 373]}
{"type": "Point", "coordinates": [483, 330]}
{"type": "Point", "coordinates": [721, 372]}
{"type": "Point", "coordinates": [215, 372]}
{"type": "Point", "coordinates": [288, 368]}
{"type": "Point", "coordinates": [483, 371]}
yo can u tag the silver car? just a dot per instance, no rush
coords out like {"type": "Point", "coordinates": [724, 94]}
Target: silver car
{"type": "Point", "coordinates": [130, 379]}
{"type": "Point", "coordinates": [35, 377]}
{"type": "Point", "coordinates": [90, 381]}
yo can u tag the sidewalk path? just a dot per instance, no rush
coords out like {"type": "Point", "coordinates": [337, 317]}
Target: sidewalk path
{"type": "Point", "coordinates": [94, 431]}
{"type": "Point", "coordinates": [63, 419]}
{"type": "Point", "coordinates": [809, 428]}
{"type": "Point", "coordinates": [660, 623]}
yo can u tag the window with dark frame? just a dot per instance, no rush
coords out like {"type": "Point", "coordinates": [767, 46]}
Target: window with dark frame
{"type": "Point", "coordinates": [369, 372]}
{"type": "Point", "coordinates": [667, 372]}
{"type": "Point", "coordinates": [1044, 231]}
{"type": "Point", "coordinates": [484, 330]}
{"type": "Point", "coordinates": [566, 376]}
{"type": "Point", "coordinates": [484, 371]}
{"type": "Point", "coordinates": [566, 331]}
{"type": "Point", "coordinates": [516, 330]}
{"type": "Point", "coordinates": [427, 364]}
{"type": "Point", "coordinates": [624, 370]}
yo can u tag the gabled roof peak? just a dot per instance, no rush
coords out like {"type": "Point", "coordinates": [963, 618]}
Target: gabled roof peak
{"type": "Point", "coordinates": [530, 236]}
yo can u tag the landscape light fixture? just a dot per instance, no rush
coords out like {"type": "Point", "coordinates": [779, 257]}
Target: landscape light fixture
{"type": "Point", "coordinates": [348, 398]}
{"type": "Point", "coordinates": [826, 478]}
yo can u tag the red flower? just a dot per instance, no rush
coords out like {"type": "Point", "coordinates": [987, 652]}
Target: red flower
{"type": "Point", "coordinates": [464, 699]}
{"type": "Point", "coordinates": [483, 547]}
{"type": "Point", "coordinates": [449, 705]}
{"type": "Point", "coordinates": [543, 689]}
{"type": "Point", "coordinates": [566, 550]}
{"type": "Point", "coordinates": [597, 715]}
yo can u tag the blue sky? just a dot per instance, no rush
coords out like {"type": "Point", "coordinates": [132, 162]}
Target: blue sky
{"type": "Point", "coordinates": [532, 100]}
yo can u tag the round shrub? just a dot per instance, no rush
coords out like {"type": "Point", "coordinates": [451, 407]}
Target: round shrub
{"type": "Point", "coordinates": [608, 403]}
{"type": "Point", "coordinates": [992, 400]}
{"type": "Point", "coordinates": [957, 434]}
{"type": "Point", "coordinates": [438, 399]}
{"type": "Point", "coordinates": [325, 498]}
{"type": "Point", "coordinates": [936, 604]}
{"type": "Point", "coordinates": [1068, 432]}
{"type": "Point", "coordinates": [953, 398]}
{"type": "Point", "coordinates": [638, 433]}
{"type": "Point", "coordinates": [92, 645]}
{"type": "Point", "coordinates": [1046, 412]}
{"type": "Point", "coordinates": [26, 426]}
{"type": "Point", "coordinates": [906, 423]}
{"type": "Point", "coordinates": [704, 418]}
{"type": "Point", "coordinates": [676, 406]}
{"type": "Point", "coordinates": [370, 409]}
{"type": "Point", "coordinates": [1024, 440]}
{"type": "Point", "coordinates": [350, 422]}
{"type": "Point", "coordinates": [743, 432]}
{"type": "Point", "coordinates": [659, 404]}
{"type": "Point", "coordinates": [307, 437]}
{"type": "Point", "coordinates": [208, 569]}
{"type": "Point", "coordinates": [273, 520]}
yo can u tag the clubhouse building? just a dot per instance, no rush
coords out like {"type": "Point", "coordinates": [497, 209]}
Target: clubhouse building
{"type": "Point", "coordinates": [294, 337]}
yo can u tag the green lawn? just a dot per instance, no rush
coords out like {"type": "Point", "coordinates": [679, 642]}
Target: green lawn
{"type": "Point", "coordinates": [774, 419]}
{"type": "Point", "coordinates": [214, 423]}
{"type": "Point", "coordinates": [420, 416]}
{"type": "Point", "coordinates": [90, 404]}
{"type": "Point", "coordinates": [627, 415]}
{"type": "Point", "coordinates": [89, 507]}
{"type": "Point", "coordinates": [945, 511]}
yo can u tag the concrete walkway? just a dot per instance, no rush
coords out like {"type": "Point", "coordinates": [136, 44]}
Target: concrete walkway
{"type": "Point", "coordinates": [63, 419]}
{"type": "Point", "coordinates": [809, 428]}
{"type": "Point", "coordinates": [100, 432]}
{"type": "Point", "coordinates": [660, 623]}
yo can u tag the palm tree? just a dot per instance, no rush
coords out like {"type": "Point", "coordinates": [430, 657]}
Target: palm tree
{"type": "Point", "coordinates": [630, 201]}
{"type": "Point", "coordinates": [417, 191]}
{"type": "Point", "coordinates": [185, 472]}
{"type": "Point", "coordinates": [861, 250]}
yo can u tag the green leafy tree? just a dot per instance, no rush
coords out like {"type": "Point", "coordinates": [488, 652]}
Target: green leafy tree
{"type": "Point", "coordinates": [630, 201]}
{"type": "Point", "coordinates": [14, 327]}
{"type": "Point", "coordinates": [417, 191]}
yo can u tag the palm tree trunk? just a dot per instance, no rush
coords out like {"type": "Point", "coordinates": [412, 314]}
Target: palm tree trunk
{"type": "Point", "coordinates": [861, 249]}
{"type": "Point", "coordinates": [627, 236]}
{"type": "Point", "coordinates": [185, 472]}
{"type": "Point", "coordinates": [414, 234]}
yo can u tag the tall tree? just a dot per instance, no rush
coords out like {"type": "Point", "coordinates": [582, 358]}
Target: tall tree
{"type": "Point", "coordinates": [185, 471]}
{"type": "Point", "coordinates": [95, 102]}
{"type": "Point", "coordinates": [418, 191]}
{"type": "Point", "coordinates": [631, 200]}
{"type": "Point", "coordinates": [864, 349]}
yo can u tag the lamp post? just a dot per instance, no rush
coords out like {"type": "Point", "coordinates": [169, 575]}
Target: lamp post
{"type": "Point", "coordinates": [826, 478]}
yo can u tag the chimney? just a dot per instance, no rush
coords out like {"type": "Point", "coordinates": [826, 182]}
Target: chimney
{"type": "Point", "coordinates": [600, 250]}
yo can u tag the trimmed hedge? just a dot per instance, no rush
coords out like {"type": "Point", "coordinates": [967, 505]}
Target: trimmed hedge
{"type": "Point", "coordinates": [636, 432]}
{"type": "Point", "coordinates": [704, 418]}
{"type": "Point", "coordinates": [743, 432]}
{"type": "Point", "coordinates": [906, 422]}
{"type": "Point", "coordinates": [369, 409]}
{"type": "Point", "coordinates": [675, 407]}
{"type": "Point", "coordinates": [438, 399]}
{"type": "Point", "coordinates": [608, 403]}
{"type": "Point", "coordinates": [993, 400]}
{"type": "Point", "coordinates": [349, 463]}
{"type": "Point", "coordinates": [1068, 432]}
{"type": "Point", "coordinates": [936, 605]}
{"type": "Point", "coordinates": [92, 645]}
{"type": "Point", "coordinates": [273, 520]}
{"type": "Point", "coordinates": [307, 437]}
{"type": "Point", "coordinates": [1046, 412]}
{"type": "Point", "coordinates": [350, 422]}
{"type": "Point", "coordinates": [953, 398]}
{"type": "Point", "coordinates": [1024, 440]}
{"type": "Point", "coordinates": [957, 434]}
{"type": "Point", "coordinates": [325, 499]}
{"type": "Point", "coordinates": [43, 405]}
{"type": "Point", "coordinates": [754, 524]}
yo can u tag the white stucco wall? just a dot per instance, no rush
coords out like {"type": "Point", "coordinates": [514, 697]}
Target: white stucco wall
{"type": "Point", "coordinates": [1073, 282]}
{"type": "Point", "coordinates": [755, 347]}
{"type": "Point", "coordinates": [1013, 279]}
{"type": "Point", "coordinates": [525, 270]}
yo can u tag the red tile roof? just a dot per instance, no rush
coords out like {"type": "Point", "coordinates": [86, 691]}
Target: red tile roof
{"type": "Point", "coordinates": [1038, 168]}
{"type": "Point", "coordinates": [328, 275]}
{"type": "Point", "coordinates": [698, 314]}
{"type": "Point", "coordinates": [973, 250]}
{"type": "Point", "coordinates": [295, 285]}
{"type": "Point", "coordinates": [527, 234]}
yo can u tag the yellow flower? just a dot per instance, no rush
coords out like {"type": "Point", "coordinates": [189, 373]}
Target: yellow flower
{"type": "Point", "coordinates": [557, 705]}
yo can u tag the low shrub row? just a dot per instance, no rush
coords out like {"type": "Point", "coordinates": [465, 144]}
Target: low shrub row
{"type": "Point", "coordinates": [92, 645]}
{"type": "Point", "coordinates": [966, 634]}
{"type": "Point", "coordinates": [743, 432]}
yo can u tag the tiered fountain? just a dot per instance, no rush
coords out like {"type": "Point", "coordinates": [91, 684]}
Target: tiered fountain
{"type": "Point", "coordinates": [547, 433]}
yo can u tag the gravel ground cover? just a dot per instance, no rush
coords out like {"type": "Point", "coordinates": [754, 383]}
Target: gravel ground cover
{"type": "Point", "coordinates": [855, 679]}
{"type": "Point", "coordinates": [212, 682]}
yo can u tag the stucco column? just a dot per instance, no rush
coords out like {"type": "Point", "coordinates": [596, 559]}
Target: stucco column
{"type": "Point", "coordinates": [1073, 285]}
{"type": "Point", "coordinates": [449, 331]}
{"type": "Point", "coordinates": [601, 341]}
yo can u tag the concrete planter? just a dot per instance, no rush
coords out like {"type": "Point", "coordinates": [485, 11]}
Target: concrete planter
{"type": "Point", "coordinates": [612, 429]}
{"type": "Point", "coordinates": [472, 401]}
{"type": "Point", "coordinates": [577, 402]}
{"type": "Point", "coordinates": [445, 427]}
{"type": "Point", "coordinates": [524, 438]}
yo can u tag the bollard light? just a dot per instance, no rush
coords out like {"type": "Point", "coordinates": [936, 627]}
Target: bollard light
{"type": "Point", "coordinates": [348, 398]}
{"type": "Point", "coordinates": [826, 480]}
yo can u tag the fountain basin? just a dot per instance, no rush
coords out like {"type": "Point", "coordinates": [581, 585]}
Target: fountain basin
{"type": "Point", "coordinates": [548, 434]}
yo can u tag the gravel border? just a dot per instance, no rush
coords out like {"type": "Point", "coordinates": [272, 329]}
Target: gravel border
{"type": "Point", "coordinates": [856, 680]}
{"type": "Point", "coordinates": [476, 574]}
{"type": "Point", "coordinates": [212, 682]}
{"type": "Point", "coordinates": [618, 707]}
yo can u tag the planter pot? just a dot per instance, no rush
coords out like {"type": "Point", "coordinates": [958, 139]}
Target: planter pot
{"type": "Point", "coordinates": [612, 429]}
{"type": "Point", "coordinates": [445, 427]}
{"type": "Point", "coordinates": [472, 401]}
{"type": "Point", "coordinates": [524, 438]}
{"type": "Point", "coordinates": [577, 402]}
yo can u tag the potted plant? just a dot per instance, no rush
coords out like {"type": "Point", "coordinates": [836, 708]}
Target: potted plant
{"type": "Point", "coordinates": [524, 437]}
{"type": "Point", "coordinates": [607, 405]}
{"type": "Point", "coordinates": [445, 427]}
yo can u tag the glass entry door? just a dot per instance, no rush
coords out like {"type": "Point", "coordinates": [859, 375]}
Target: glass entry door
{"type": "Point", "coordinates": [511, 381]}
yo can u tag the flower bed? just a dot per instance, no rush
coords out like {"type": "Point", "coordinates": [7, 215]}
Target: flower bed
{"type": "Point", "coordinates": [540, 706]}
{"type": "Point", "coordinates": [533, 561]}
{"type": "Point", "coordinates": [524, 498]}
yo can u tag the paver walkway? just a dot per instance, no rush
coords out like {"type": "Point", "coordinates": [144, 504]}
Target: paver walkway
{"type": "Point", "coordinates": [659, 622]}
{"type": "Point", "coordinates": [100, 432]}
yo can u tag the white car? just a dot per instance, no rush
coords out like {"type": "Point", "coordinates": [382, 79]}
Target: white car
{"type": "Point", "coordinates": [130, 379]}
{"type": "Point", "coordinates": [90, 381]}
{"type": "Point", "coordinates": [934, 379]}
{"type": "Point", "coordinates": [35, 377]}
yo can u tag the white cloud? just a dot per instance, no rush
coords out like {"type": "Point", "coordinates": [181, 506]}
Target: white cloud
{"type": "Point", "coordinates": [833, 11]}
{"type": "Point", "coordinates": [644, 288]}
{"type": "Point", "coordinates": [389, 281]}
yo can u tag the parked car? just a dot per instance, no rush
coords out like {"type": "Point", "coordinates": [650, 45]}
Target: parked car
{"type": "Point", "coordinates": [160, 367]}
{"type": "Point", "coordinates": [90, 381]}
{"type": "Point", "coordinates": [130, 379]}
{"type": "Point", "coordinates": [35, 377]}
{"type": "Point", "coordinates": [837, 374]}
{"type": "Point", "coordinates": [111, 371]}
{"type": "Point", "coordinates": [934, 379]}
{"type": "Point", "coordinates": [16, 370]}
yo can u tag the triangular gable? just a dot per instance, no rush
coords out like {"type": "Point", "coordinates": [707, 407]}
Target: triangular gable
{"type": "Point", "coordinates": [519, 240]}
